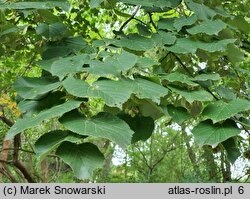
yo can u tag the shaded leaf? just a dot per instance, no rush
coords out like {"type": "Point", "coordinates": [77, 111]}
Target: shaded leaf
{"type": "Point", "coordinates": [83, 158]}
{"type": "Point", "coordinates": [142, 126]}
{"type": "Point", "coordinates": [30, 107]}
{"type": "Point", "coordinates": [51, 31]}
{"type": "Point", "coordinates": [35, 87]}
{"type": "Point", "coordinates": [235, 55]}
{"type": "Point", "coordinates": [178, 114]}
{"type": "Point", "coordinates": [226, 93]}
{"type": "Point", "coordinates": [208, 134]}
{"type": "Point", "coordinates": [51, 140]}
{"type": "Point", "coordinates": [232, 150]}
{"type": "Point", "coordinates": [240, 23]}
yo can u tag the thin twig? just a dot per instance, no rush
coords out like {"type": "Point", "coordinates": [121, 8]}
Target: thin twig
{"type": "Point", "coordinates": [6, 162]}
{"type": "Point", "coordinates": [132, 17]}
{"type": "Point", "coordinates": [182, 64]}
{"type": "Point", "coordinates": [162, 158]}
{"type": "Point", "coordinates": [151, 20]}
{"type": "Point", "coordinates": [32, 152]}
{"type": "Point", "coordinates": [5, 171]}
{"type": "Point", "coordinates": [140, 21]}
{"type": "Point", "coordinates": [144, 157]}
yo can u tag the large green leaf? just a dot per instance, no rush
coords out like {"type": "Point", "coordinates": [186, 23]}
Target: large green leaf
{"type": "Point", "coordinates": [211, 27]}
{"type": "Point", "coordinates": [149, 3]}
{"type": "Point", "coordinates": [28, 122]}
{"type": "Point", "coordinates": [142, 126]}
{"type": "Point", "coordinates": [166, 24]}
{"type": "Point", "coordinates": [186, 45]}
{"type": "Point", "coordinates": [184, 21]}
{"type": "Point", "coordinates": [51, 140]}
{"type": "Point", "coordinates": [226, 93]}
{"type": "Point", "coordinates": [235, 54]}
{"type": "Point", "coordinates": [103, 125]}
{"type": "Point", "coordinates": [69, 65]}
{"type": "Point", "coordinates": [51, 31]}
{"type": "Point", "coordinates": [135, 42]}
{"type": "Point", "coordinates": [205, 77]}
{"type": "Point", "coordinates": [202, 11]}
{"type": "Point", "coordinates": [95, 3]}
{"type": "Point", "coordinates": [163, 38]}
{"type": "Point", "coordinates": [220, 110]}
{"type": "Point", "coordinates": [30, 107]}
{"type": "Point", "coordinates": [232, 149]}
{"type": "Point", "coordinates": [31, 88]}
{"type": "Point", "coordinates": [113, 65]}
{"type": "Point", "coordinates": [177, 77]}
{"type": "Point", "coordinates": [83, 158]}
{"type": "Point", "coordinates": [240, 23]}
{"type": "Point", "coordinates": [115, 93]}
{"type": "Point", "coordinates": [208, 134]}
{"type": "Point", "coordinates": [76, 87]}
{"type": "Point", "coordinates": [145, 107]}
{"type": "Point", "coordinates": [147, 89]}
{"type": "Point", "coordinates": [178, 114]}
{"type": "Point", "coordinates": [146, 62]}
{"type": "Point", "coordinates": [194, 95]}
{"type": "Point", "coordinates": [36, 5]}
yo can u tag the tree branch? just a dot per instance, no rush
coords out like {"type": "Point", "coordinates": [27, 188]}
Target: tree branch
{"type": "Point", "coordinates": [16, 162]}
{"type": "Point", "coordinates": [17, 143]}
{"type": "Point", "coordinates": [132, 17]}
{"type": "Point", "coordinates": [5, 171]}
{"type": "Point", "coordinates": [182, 64]}
{"type": "Point", "coordinates": [144, 157]}
{"type": "Point", "coordinates": [151, 20]}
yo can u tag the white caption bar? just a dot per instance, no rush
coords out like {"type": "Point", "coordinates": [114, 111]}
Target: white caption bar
{"type": "Point", "coordinates": [126, 191]}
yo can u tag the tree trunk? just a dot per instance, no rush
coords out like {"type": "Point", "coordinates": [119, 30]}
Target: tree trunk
{"type": "Point", "coordinates": [210, 164]}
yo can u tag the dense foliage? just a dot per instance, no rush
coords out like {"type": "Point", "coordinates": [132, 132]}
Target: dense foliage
{"type": "Point", "coordinates": [90, 75]}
